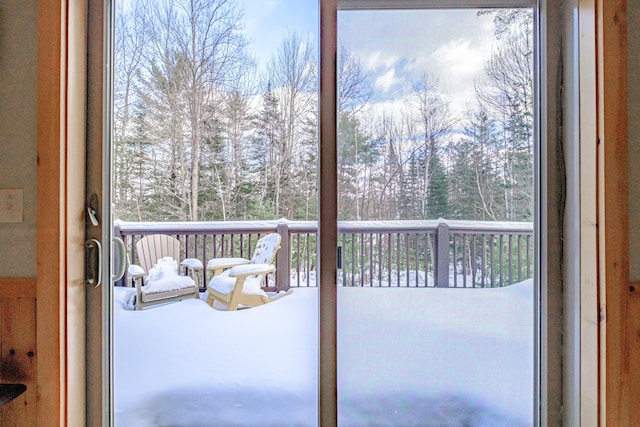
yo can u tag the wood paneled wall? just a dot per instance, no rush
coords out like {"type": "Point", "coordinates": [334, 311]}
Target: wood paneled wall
{"type": "Point", "coordinates": [619, 298]}
{"type": "Point", "coordinates": [18, 352]}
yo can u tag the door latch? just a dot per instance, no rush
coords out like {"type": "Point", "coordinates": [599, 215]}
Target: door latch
{"type": "Point", "coordinates": [92, 209]}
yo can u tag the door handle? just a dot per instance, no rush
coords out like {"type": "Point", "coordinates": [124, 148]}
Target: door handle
{"type": "Point", "coordinates": [93, 263]}
{"type": "Point", "coordinates": [121, 252]}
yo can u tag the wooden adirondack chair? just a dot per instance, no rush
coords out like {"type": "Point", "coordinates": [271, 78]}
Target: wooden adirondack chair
{"type": "Point", "coordinates": [238, 281]}
{"type": "Point", "coordinates": [156, 250]}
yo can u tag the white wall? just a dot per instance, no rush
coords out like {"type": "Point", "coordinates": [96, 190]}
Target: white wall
{"type": "Point", "coordinates": [633, 66]}
{"type": "Point", "coordinates": [18, 131]}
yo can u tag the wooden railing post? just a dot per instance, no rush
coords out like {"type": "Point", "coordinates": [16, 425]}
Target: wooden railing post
{"type": "Point", "coordinates": [442, 255]}
{"type": "Point", "coordinates": [283, 258]}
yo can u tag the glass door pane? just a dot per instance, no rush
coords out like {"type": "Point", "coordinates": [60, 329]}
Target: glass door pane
{"type": "Point", "coordinates": [215, 140]}
{"type": "Point", "coordinates": [436, 217]}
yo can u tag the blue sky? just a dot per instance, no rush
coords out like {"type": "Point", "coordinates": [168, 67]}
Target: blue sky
{"type": "Point", "coordinates": [395, 47]}
{"type": "Point", "coordinates": [267, 22]}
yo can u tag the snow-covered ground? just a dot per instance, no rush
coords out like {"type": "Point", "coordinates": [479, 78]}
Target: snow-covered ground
{"type": "Point", "coordinates": [406, 357]}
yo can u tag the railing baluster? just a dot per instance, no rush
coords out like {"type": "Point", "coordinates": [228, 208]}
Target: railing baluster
{"type": "Point", "coordinates": [501, 259]}
{"type": "Point", "coordinates": [379, 260]}
{"type": "Point", "coordinates": [441, 248]}
{"type": "Point", "coordinates": [298, 253]}
{"type": "Point", "coordinates": [344, 259]}
{"type": "Point", "coordinates": [398, 266]}
{"type": "Point", "coordinates": [196, 238]}
{"type": "Point", "coordinates": [416, 267]}
{"type": "Point", "coordinates": [308, 268]}
{"type": "Point", "coordinates": [483, 261]}
{"type": "Point", "coordinates": [493, 266]}
{"type": "Point", "coordinates": [370, 259]}
{"type": "Point", "coordinates": [133, 249]}
{"type": "Point", "coordinates": [362, 260]}
{"type": "Point", "coordinates": [204, 260]}
{"type": "Point", "coordinates": [353, 259]}
{"type": "Point", "coordinates": [464, 260]}
{"type": "Point", "coordinates": [528, 256]}
{"type": "Point", "coordinates": [518, 237]}
{"type": "Point", "coordinates": [389, 254]}
{"type": "Point", "coordinates": [454, 241]}
{"type": "Point", "coordinates": [406, 257]}
{"type": "Point", "coordinates": [427, 244]}
{"type": "Point", "coordinates": [510, 259]}
{"type": "Point", "coordinates": [474, 269]}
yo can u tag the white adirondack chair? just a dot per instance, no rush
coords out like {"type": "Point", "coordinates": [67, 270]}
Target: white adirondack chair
{"type": "Point", "coordinates": [158, 255]}
{"type": "Point", "coordinates": [238, 281]}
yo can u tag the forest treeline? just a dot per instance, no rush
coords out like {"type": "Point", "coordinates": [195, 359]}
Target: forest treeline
{"type": "Point", "coordinates": [201, 133]}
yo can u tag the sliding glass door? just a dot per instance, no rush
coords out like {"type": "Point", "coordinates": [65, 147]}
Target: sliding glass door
{"type": "Point", "coordinates": [215, 147]}
{"type": "Point", "coordinates": [436, 281]}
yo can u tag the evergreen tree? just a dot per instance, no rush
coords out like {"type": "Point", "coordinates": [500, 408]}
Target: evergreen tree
{"type": "Point", "coordinates": [265, 152]}
{"type": "Point", "coordinates": [357, 155]}
{"type": "Point", "coordinates": [475, 190]}
{"type": "Point", "coordinates": [437, 196]}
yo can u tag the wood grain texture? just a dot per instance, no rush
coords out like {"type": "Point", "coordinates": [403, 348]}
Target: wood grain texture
{"type": "Point", "coordinates": [621, 340]}
{"type": "Point", "coordinates": [18, 287]}
{"type": "Point", "coordinates": [18, 358]}
{"type": "Point", "coordinates": [50, 191]}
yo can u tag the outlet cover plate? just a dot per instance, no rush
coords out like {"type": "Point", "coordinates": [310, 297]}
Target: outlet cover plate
{"type": "Point", "coordinates": [11, 205]}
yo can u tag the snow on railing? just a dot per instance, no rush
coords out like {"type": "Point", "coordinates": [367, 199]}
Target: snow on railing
{"type": "Point", "coordinates": [421, 253]}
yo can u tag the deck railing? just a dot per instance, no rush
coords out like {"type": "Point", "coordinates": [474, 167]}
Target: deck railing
{"type": "Point", "coordinates": [438, 253]}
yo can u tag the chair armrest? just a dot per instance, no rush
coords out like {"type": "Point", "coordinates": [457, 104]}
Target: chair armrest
{"type": "Point", "coordinates": [251, 270]}
{"type": "Point", "coordinates": [192, 263]}
{"type": "Point", "coordinates": [135, 271]}
{"type": "Point", "coordinates": [222, 263]}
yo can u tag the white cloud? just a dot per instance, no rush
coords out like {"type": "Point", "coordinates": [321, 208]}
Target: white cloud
{"type": "Point", "coordinates": [459, 58]}
{"type": "Point", "coordinates": [391, 108]}
{"type": "Point", "coordinates": [386, 81]}
{"type": "Point", "coordinates": [378, 59]}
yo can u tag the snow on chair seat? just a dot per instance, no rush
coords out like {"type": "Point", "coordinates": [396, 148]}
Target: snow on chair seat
{"type": "Point", "coordinates": [163, 281]}
{"type": "Point", "coordinates": [158, 254]}
{"type": "Point", "coordinates": [226, 281]}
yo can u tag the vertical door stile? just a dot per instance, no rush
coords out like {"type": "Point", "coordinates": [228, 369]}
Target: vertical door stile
{"type": "Point", "coordinates": [328, 217]}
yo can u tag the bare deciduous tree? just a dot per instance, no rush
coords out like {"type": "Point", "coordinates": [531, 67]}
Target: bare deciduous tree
{"type": "Point", "coordinates": [507, 95]}
{"type": "Point", "coordinates": [196, 49]}
{"type": "Point", "coordinates": [293, 74]}
{"type": "Point", "coordinates": [434, 121]}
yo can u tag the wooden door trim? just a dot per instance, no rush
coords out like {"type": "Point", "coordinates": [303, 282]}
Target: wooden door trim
{"type": "Point", "coordinates": [60, 211]}
{"type": "Point", "coordinates": [50, 208]}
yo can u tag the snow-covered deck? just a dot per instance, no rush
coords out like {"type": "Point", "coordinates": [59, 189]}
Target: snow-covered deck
{"type": "Point", "coordinates": [429, 357]}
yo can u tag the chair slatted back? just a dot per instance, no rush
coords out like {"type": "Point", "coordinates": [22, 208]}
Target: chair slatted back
{"type": "Point", "coordinates": [155, 246]}
{"type": "Point", "coordinates": [266, 249]}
